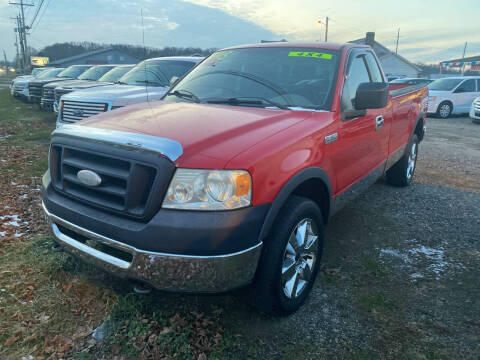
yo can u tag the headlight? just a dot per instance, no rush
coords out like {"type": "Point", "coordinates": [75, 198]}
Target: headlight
{"type": "Point", "coordinates": [209, 190]}
{"type": "Point", "coordinates": [432, 98]}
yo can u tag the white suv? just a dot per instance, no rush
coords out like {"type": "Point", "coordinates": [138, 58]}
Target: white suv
{"type": "Point", "coordinates": [475, 111]}
{"type": "Point", "coordinates": [453, 95]}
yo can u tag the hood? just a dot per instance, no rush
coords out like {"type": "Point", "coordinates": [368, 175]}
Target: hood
{"type": "Point", "coordinates": [118, 95]}
{"type": "Point", "coordinates": [81, 84]}
{"type": "Point", "coordinates": [67, 83]}
{"type": "Point", "coordinates": [22, 81]}
{"type": "Point", "coordinates": [210, 135]}
{"type": "Point", "coordinates": [48, 80]}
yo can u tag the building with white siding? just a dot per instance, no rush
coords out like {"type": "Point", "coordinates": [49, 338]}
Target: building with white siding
{"type": "Point", "coordinates": [393, 64]}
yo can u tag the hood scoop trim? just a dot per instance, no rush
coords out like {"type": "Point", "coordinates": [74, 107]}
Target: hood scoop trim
{"type": "Point", "coordinates": [168, 148]}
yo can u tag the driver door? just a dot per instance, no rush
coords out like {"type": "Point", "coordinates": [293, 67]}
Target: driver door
{"type": "Point", "coordinates": [362, 145]}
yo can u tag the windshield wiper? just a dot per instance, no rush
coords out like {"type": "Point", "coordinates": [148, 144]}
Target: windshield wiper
{"type": "Point", "coordinates": [185, 94]}
{"type": "Point", "coordinates": [244, 100]}
{"type": "Point", "coordinates": [149, 82]}
{"type": "Point", "coordinates": [120, 82]}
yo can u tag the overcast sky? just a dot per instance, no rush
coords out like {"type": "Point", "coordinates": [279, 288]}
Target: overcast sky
{"type": "Point", "coordinates": [430, 30]}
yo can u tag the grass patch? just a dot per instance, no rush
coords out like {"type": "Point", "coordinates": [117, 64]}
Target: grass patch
{"type": "Point", "coordinates": [43, 308]}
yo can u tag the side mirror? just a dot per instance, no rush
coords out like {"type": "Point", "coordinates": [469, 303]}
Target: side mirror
{"type": "Point", "coordinates": [372, 95]}
{"type": "Point", "coordinates": [459, 90]}
{"type": "Point", "coordinates": [174, 80]}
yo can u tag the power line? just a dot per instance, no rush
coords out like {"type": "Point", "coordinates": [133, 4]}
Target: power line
{"type": "Point", "coordinates": [41, 15]}
{"type": "Point", "coordinates": [36, 12]}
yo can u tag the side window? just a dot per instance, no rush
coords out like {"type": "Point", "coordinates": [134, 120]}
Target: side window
{"type": "Point", "coordinates": [356, 75]}
{"type": "Point", "coordinates": [466, 86]}
{"type": "Point", "coordinates": [375, 72]}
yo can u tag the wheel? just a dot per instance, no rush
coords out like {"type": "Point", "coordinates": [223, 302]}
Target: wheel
{"type": "Point", "coordinates": [290, 258]}
{"type": "Point", "coordinates": [444, 110]}
{"type": "Point", "coordinates": [401, 174]}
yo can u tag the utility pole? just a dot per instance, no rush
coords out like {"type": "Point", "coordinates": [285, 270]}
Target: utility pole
{"type": "Point", "coordinates": [398, 37]}
{"type": "Point", "coordinates": [463, 57]}
{"type": "Point", "coordinates": [17, 59]}
{"type": "Point", "coordinates": [6, 63]}
{"type": "Point", "coordinates": [326, 27]}
{"type": "Point", "coordinates": [22, 32]}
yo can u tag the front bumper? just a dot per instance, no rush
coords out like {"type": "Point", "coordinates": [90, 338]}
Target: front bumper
{"type": "Point", "coordinates": [475, 115]}
{"type": "Point", "coordinates": [174, 272]}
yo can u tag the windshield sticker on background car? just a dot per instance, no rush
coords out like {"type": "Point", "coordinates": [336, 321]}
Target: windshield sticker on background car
{"type": "Point", "coordinates": [317, 55]}
{"type": "Point", "coordinates": [216, 58]}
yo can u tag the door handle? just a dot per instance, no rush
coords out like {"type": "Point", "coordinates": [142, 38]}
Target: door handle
{"type": "Point", "coordinates": [379, 122]}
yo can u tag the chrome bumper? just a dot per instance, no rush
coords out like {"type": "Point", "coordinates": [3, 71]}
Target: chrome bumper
{"type": "Point", "coordinates": [172, 272]}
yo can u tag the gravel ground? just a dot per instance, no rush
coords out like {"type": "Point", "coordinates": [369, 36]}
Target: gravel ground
{"type": "Point", "coordinates": [400, 267]}
{"type": "Point", "coordinates": [449, 154]}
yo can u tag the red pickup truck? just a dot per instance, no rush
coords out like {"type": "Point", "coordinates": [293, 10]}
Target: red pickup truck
{"type": "Point", "coordinates": [232, 177]}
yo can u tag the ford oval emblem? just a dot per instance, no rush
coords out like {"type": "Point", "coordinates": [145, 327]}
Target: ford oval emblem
{"type": "Point", "coordinates": [78, 113]}
{"type": "Point", "coordinates": [89, 178]}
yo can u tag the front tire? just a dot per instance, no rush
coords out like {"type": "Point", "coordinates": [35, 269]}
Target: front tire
{"type": "Point", "coordinates": [401, 174]}
{"type": "Point", "coordinates": [444, 110]}
{"type": "Point", "coordinates": [290, 258]}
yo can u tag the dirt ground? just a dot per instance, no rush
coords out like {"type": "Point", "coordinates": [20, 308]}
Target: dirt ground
{"type": "Point", "coordinates": [399, 275]}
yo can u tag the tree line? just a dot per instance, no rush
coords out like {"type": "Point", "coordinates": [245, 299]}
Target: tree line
{"type": "Point", "coordinates": [63, 50]}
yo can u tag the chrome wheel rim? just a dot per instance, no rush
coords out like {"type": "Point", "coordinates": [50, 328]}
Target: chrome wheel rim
{"type": "Point", "coordinates": [299, 258]}
{"type": "Point", "coordinates": [444, 110]}
{"type": "Point", "coordinates": [412, 158]}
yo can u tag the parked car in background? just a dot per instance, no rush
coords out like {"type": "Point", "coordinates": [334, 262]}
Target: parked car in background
{"type": "Point", "coordinates": [90, 76]}
{"type": "Point", "coordinates": [452, 95]}
{"type": "Point", "coordinates": [148, 80]}
{"type": "Point", "coordinates": [401, 83]}
{"type": "Point", "coordinates": [35, 87]}
{"type": "Point", "coordinates": [35, 72]}
{"type": "Point", "coordinates": [233, 176]}
{"type": "Point", "coordinates": [20, 87]}
{"type": "Point", "coordinates": [475, 111]}
{"type": "Point", "coordinates": [391, 78]}
{"type": "Point", "coordinates": [109, 78]}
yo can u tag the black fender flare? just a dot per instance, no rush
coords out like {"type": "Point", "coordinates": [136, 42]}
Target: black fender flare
{"type": "Point", "coordinates": [421, 117]}
{"type": "Point", "coordinates": [302, 176]}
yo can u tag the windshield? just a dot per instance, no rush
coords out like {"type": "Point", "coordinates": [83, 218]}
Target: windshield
{"type": "Point", "coordinates": [74, 71]}
{"type": "Point", "coordinates": [49, 73]}
{"type": "Point", "coordinates": [115, 74]}
{"type": "Point", "coordinates": [294, 77]}
{"type": "Point", "coordinates": [444, 84]}
{"type": "Point", "coordinates": [156, 72]}
{"type": "Point", "coordinates": [37, 71]}
{"type": "Point", "coordinates": [95, 73]}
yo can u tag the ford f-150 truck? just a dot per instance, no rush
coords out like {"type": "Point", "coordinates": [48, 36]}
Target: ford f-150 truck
{"type": "Point", "coordinates": [35, 87]}
{"type": "Point", "coordinates": [148, 80]}
{"type": "Point", "coordinates": [232, 177]}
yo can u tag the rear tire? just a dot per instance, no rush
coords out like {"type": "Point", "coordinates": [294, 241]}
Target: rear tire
{"type": "Point", "coordinates": [444, 110]}
{"type": "Point", "coordinates": [290, 258]}
{"type": "Point", "coordinates": [401, 174]}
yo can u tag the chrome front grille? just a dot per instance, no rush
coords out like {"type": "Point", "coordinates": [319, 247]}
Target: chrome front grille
{"type": "Point", "coordinates": [35, 90]}
{"type": "Point", "coordinates": [48, 94]}
{"type": "Point", "coordinates": [476, 105]}
{"type": "Point", "coordinates": [60, 93]}
{"type": "Point", "coordinates": [128, 186]}
{"type": "Point", "coordinates": [73, 111]}
{"type": "Point", "coordinates": [18, 88]}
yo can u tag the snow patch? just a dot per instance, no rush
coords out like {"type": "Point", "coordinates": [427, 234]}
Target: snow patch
{"type": "Point", "coordinates": [419, 260]}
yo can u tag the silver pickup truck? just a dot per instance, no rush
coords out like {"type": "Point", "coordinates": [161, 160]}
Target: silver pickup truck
{"type": "Point", "coordinates": [148, 80]}
{"type": "Point", "coordinates": [109, 78]}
